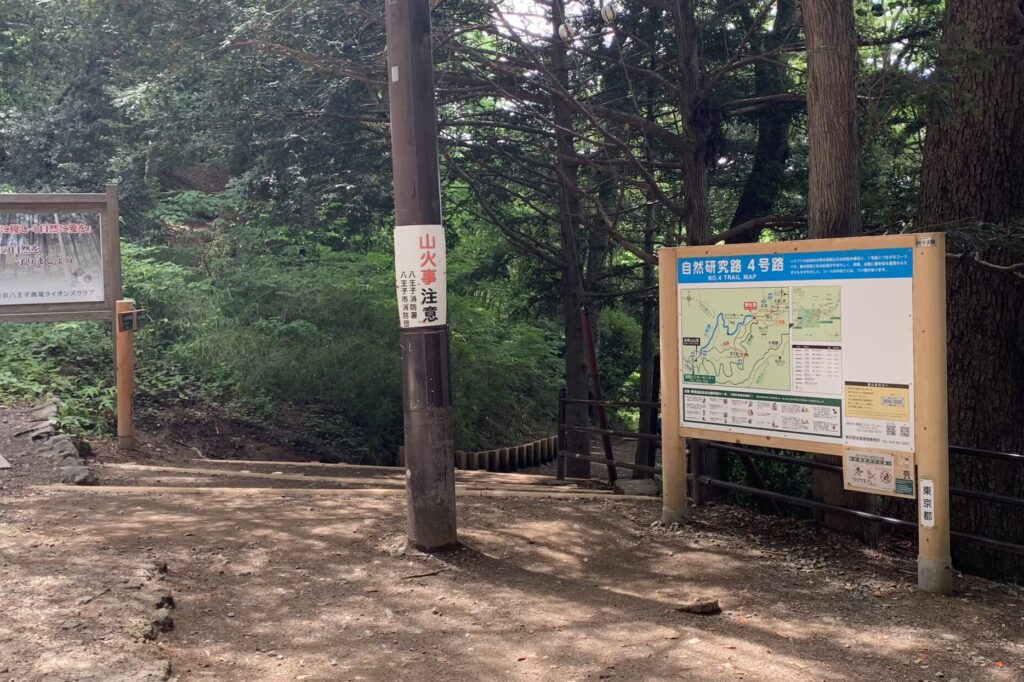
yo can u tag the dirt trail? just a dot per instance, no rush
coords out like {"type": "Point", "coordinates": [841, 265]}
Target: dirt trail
{"type": "Point", "coordinates": [284, 585]}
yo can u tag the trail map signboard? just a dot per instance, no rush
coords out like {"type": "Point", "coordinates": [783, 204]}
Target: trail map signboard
{"type": "Point", "coordinates": [59, 256]}
{"type": "Point", "coordinates": [830, 346]}
{"type": "Point", "coordinates": [814, 346]}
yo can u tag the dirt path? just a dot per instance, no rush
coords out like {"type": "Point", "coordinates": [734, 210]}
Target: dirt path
{"type": "Point", "coordinates": [287, 585]}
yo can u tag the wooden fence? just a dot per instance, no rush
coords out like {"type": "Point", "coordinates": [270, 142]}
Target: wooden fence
{"type": "Point", "coordinates": [514, 458]}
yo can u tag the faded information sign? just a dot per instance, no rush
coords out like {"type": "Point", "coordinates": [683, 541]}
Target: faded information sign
{"type": "Point", "coordinates": [813, 346]}
{"type": "Point", "coordinates": [880, 473]}
{"type": "Point", "coordinates": [51, 258]}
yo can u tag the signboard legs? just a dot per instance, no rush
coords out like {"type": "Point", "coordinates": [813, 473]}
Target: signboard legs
{"type": "Point", "coordinates": [673, 447]}
{"type": "Point", "coordinates": [934, 568]}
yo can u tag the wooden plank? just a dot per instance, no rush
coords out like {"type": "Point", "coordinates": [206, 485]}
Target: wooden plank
{"type": "Point", "coordinates": [931, 435]}
{"type": "Point", "coordinates": [396, 471]}
{"type": "Point", "coordinates": [673, 448]}
{"type": "Point", "coordinates": [388, 482]}
{"type": "Point", "coordinates": [60, 200]}
{"type": "Point", "coordinates": [325, 492]}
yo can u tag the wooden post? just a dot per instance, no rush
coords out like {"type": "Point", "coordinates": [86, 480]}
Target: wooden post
{"type": "Point", "coordinates": [560, 443]}
{"type": "Point", "coordinates": [460, 459]}
{"type": "Point", "coordinates": [125, 363]}
{"type": "Point", "coordinates": [934, 568]}
{"type": "Point", "coordinates": [696, 457]}
{"type": "Point", "coordinates": [426, 381]}
{"type": "Point", "coordinates": [673, 450]}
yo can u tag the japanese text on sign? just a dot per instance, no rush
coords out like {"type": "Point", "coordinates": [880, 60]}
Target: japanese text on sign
{"type": "Point", "coordinates": [420, 275]}
{"type": "Point", "coordinates": [51, 258]}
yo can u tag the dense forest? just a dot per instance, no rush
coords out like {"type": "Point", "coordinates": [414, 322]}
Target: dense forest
{"type": "Point", "coordinates": [250, 143]}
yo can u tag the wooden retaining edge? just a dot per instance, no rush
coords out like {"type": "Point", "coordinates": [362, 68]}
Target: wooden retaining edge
{"type": "Point", "coordinates": [509, 459]}
{"type": "Point", "coordinates": [355, 492]}
{"type": "Point", "coordinates": [395, 471]}
{"type": "Point", "coordinates": [365, 481]}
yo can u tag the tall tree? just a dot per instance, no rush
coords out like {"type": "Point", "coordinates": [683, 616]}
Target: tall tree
{"type": "Point", "coordinates": [833, 199]}
{"type": "Point", "coordinates": [971, 185]}
{"type": "Point", "coordinates": [833, 194]}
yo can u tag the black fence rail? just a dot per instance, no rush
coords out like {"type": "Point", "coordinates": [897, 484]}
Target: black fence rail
{"type": "Point", "coordinates": [702, 483]}
{"type": "Point", "coordinates": [564, 454]}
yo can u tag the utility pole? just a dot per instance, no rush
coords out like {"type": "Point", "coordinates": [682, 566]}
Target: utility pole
{"type": "Point", "coordinates": [420, 279]}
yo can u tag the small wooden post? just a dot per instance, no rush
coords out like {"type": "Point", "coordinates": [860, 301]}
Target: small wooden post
{"type": "Point", "coordinates": [472, 461]}
{"type": "Point", "coordinates": [696, 457]}
{"type": "Point", "coordinates": [673, 448]}
{"type": "Point", "coordinates": [505, 456]}
{"type": "Point", "coordinates": [934, 567]}
{"type": "Point", "coordinates": [560, 438]}
{"type": "Point", "coordinates": [460, 459]}
{"type": "Point", "coordinates": [125, 363]}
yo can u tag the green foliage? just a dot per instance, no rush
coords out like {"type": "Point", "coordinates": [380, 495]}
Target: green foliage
{"type": "Point", "coordinates": [268, 336]}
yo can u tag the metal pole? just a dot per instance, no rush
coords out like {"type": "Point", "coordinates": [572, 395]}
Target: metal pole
{"type": "Point", "coordinates": [426, 385]}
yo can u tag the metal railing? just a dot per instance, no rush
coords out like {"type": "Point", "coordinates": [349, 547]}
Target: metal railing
{"type": "Point", "coordinates": [701, 482]}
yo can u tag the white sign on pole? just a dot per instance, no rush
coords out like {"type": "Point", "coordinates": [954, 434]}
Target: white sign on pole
{"type": "Point", "coordinates": [810, 345]}
{"type": "Point", "coordinates": [927, 511]}
{"type": "Point", "coordinates": [421, 276]}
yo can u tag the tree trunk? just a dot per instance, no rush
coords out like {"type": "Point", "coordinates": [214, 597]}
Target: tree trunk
{"type": "Point", "coordinates": [694, 110]}
{"type": "Point", "coordinates": [973, 165]}
{"type": "Point", "coordinates": [833, 208]}
{"type": "Point", "coordinates": [649, 316]}
{"type": "Point", "coordinates": [577, 381]}
{"type": "Point", "coordinates": [764, 183]}
{"type": "Point", "coordinates": [833, 195]}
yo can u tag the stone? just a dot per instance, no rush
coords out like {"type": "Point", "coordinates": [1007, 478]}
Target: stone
{"type": "Point", "coordinates": [70, 461]}
{"type": "Point", "coordinates": [162, 620]}
{"type": "Point", "coordinates": [62, 441]}
{"type": "Point", "coordinates": [158, 599]}
{"type": "Point", "coordinates": [637, 486]}
{"type": "Point", "coordinates": [703, 606]}
{"type": "Point", "coordinates": [150, 672]}
{"type": "Point", "coordinates": [44, 413]}
{"type": "Point", "coordinates": [43, 432]}
{"type": "Point", "coordinates": [141, 629]}
{"type": "Point", "coordinates": [78, 475]}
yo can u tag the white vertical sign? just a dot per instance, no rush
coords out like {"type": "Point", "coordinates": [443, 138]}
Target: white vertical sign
{"type": "Point", "coordinates": [421, 276]}
{"type": "Point", "coordinates": [927, 511]}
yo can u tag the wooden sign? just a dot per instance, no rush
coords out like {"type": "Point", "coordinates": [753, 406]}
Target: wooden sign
{"type": "Point", "coordinates": [59, 256]}
{"type": "Point", "coordinates": [831, 346]}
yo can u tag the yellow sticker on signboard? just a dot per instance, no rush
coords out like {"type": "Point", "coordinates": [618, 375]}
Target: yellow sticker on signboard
{"type": "Point", "coordinates": [889, 402]}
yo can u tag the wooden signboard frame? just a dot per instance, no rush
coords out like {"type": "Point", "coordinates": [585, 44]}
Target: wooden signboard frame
{"type": "Point", "coordinates": [931, 450]}
{"type": "Point", "coordinates": [105, 204]}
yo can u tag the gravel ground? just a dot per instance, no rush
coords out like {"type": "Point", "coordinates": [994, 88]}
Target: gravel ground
{"type": "Point", "coordinates": [283, 584]}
